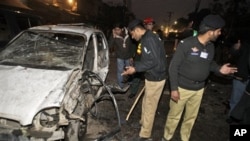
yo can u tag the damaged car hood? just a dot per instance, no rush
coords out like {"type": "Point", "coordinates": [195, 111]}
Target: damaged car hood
{"type": "Point", "coordinates": [25, 91]}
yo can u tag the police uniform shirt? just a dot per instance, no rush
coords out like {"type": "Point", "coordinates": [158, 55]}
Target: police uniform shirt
{"type": "Point", "coordinates": [191, 64]}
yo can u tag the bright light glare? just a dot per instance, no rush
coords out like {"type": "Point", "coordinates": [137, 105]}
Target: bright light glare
{"type": "Point", "coordinates": [70, 2]}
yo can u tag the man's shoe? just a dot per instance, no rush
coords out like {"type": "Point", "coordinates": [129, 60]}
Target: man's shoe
{"type": "Point", "coordinates": [163, 139]}
{"type": "Point", "coordinates": [115, 88]}
{"type": "Point", "coordinates": [142, 139]}
{"type": "Point", "coordinates": [145, 139]}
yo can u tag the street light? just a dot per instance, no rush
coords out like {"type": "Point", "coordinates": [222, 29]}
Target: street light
{"type": "Point", "coordinates": [70, 2]}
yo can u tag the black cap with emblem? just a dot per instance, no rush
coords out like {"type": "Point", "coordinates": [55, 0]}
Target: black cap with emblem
{"type": "Point", "coordinates": [211, 22]}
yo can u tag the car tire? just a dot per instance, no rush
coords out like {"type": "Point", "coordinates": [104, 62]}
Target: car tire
{"type": "Point", "coordinates": [77, 128]}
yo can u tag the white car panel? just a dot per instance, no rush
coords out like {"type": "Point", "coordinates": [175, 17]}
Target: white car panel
{"type": "Point", "coordinates": [26, 91]}
{"type": "Point", "coordinates": [43, 86]}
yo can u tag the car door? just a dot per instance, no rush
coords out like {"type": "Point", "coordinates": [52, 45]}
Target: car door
{"type": "Point", "coordinates": [97, 55]}
{"type": "Point", "coordinates": [102, 55]}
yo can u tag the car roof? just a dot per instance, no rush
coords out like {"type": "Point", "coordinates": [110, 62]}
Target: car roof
{"type": "Point", "coordinates": [74, 28]}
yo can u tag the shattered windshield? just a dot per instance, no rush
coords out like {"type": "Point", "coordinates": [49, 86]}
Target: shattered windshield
{"type": "Point", "coordinates": [44, 50]}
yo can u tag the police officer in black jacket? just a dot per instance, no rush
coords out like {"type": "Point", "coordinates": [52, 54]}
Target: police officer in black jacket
{"type": "Point", "coordinates": [188, 70]}
{"type": "Point", "coordinates": [153, 63]}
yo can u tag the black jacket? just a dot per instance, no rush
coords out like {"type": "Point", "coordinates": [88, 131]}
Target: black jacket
{"type": "Point", "coordinates": [248, 85]}
{"type": "Point", "coordinates": [239, 58]}
{"type": "Point", "coordinates": [241, 111]}
{"type": "Point", "coordinates": [153, 57]}
{"type": "Point", "coordinates": [191, 64]}
{"type": "Point", "coordinates": [123, 46]}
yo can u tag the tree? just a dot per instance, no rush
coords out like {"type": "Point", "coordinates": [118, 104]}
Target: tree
{"type": "Point", "coordinates": [233, 11]}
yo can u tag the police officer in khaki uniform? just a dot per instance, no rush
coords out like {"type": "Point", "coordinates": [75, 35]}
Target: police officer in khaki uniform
{"type": "Point", "coordinates": [188, 70]}
{"type": "Point", "coordinates": [153, 63]}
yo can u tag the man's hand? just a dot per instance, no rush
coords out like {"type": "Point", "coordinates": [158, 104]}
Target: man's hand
{"type": "Point", "coordinates": [129, 70]}
{"type": "Point", "coordinates": [175, 95]}
{"type": "Point", "coordinates": [226, 69]}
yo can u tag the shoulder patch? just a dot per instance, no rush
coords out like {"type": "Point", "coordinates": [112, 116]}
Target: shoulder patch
{"type": "Point", "coordinates": [146, 51]}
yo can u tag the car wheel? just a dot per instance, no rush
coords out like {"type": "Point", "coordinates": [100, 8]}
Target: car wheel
{"type": "Point", "coordinates": [77, 128]}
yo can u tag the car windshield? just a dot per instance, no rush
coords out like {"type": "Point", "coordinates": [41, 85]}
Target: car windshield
{"type": "Point", "coordinates": [44, 50]}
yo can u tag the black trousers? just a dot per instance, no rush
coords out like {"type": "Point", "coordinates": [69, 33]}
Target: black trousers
{"type": "Point", "coordinates": [241, 112]}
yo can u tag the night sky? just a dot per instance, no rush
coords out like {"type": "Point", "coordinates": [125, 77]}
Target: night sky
{"type": "Point", "coordinates": [160, 9]}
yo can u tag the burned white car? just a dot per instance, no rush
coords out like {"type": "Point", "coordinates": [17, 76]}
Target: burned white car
{"type": "Point", "coordinates": [44, 86]}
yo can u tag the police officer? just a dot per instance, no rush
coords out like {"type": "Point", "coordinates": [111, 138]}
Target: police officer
{"type": "Point", "coordinates": [153, 63]}
{"type": "Point", "coordinates": [188, 70]}
{"type": "Point", "coordinates": [136, 78]}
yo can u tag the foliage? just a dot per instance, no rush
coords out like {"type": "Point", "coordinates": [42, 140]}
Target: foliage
{"type": "Point", "coordinates": [235, 12]}
{"type": "Point", "coordinates": [104, 15]}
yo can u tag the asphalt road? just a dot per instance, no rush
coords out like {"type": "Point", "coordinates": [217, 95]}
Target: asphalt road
{"type": "Point", "coordinates": [210, 124]}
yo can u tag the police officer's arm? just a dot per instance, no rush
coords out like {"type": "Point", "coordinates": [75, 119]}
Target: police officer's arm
{"type": "Point", "coordinates": [214, 67]}
{"type": "Point", "coordinates": [147, 60]}
{"type": "Point", "coordinates": [224, 69]}
{"type": "Point", "coordinates": [175, 63]}
{"type": "Point", "coordinates": [148, 56]}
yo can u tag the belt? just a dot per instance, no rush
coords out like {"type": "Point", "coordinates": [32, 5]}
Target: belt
{"type": "Point", "coordinates": [196, 82]}
{"type": "Point", "coordinates": [192, 81]}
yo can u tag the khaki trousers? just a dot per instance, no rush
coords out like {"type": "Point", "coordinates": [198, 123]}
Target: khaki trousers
{"type": "Point", "coordinates": [190, 101]}
{"type": "Point", "coordinates": [152, 94]}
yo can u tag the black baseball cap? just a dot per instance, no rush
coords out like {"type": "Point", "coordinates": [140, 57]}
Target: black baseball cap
{"type": "Point", "coordinates": [213, 21]}
{"type": "Point", "coordinates": [135, 23]}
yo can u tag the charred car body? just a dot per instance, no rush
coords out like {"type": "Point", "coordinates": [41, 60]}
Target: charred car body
{"type": "Point", "coordinates": [45, 92]}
